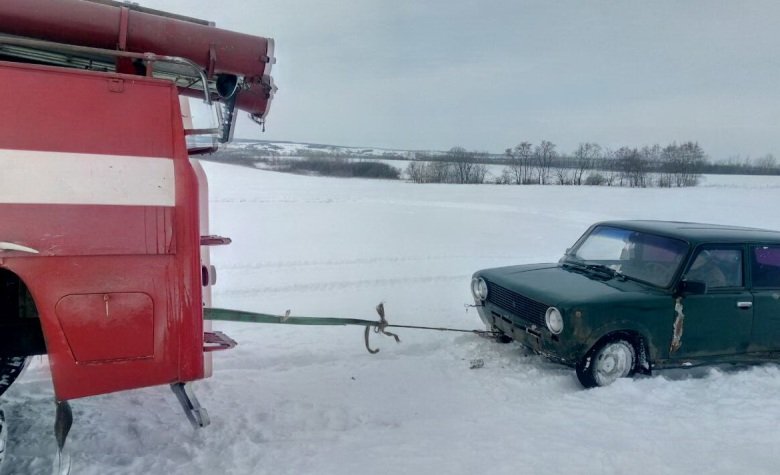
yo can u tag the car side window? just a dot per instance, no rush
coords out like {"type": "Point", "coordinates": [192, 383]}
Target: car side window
{"type": "Point", "coordinates": [766, 266]}
{"type": "Point", "coordinates": [718, 268]}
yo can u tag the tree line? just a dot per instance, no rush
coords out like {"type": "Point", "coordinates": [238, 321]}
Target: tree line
{"type": "Point", "coordinates": [455, 166]}
{"type": "Point", "coordinates": [673, 165]}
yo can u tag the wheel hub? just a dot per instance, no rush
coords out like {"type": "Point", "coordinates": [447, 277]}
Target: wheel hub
{"type": "Point", "coordinates": [613, 361]}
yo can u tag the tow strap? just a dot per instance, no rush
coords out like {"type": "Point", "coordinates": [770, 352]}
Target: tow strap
{"type": "Point", "coordinates": [380, 326]}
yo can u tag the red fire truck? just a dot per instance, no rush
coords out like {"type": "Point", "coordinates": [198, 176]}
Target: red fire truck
{"type": "Point", "coordinates": [103, 213]}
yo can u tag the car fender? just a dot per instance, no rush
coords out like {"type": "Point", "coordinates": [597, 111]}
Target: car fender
{"type": "Point", "coordinates": [650, 347]}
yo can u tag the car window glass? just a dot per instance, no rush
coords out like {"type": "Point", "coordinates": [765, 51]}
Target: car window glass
{"type": "Point", "coordinates": [766, 266]}
{"type": "Point", "coordinates": [639, 255]}
{"type": "Point", "coordinates": [717, 268]}
{"type": "Point", "coordinates": [605, 243]}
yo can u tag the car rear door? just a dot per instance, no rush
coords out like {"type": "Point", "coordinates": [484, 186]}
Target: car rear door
{"type": "Point", "coordinates": [765, 280]}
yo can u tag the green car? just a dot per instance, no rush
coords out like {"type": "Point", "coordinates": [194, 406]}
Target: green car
{"type": "Point", "coordinates": [636, 296]}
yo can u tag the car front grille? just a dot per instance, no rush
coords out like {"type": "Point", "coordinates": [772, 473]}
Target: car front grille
{"type": "Point", "coordinates": [518, 305]}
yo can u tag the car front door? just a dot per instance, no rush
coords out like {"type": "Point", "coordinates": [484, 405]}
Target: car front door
{"type": "Point", "coordinates": [718, 322]}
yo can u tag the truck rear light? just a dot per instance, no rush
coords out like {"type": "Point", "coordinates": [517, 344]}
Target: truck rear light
{"type": "Point", "coordinates": [208, 275]}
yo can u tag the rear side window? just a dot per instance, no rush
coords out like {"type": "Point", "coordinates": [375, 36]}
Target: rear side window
{"type": "Point", "coordinates": [766, 266]}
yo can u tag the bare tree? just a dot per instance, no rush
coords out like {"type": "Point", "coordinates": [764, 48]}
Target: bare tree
{"type": "Point", "coordinates": [465, 167]}
{"type": "Point", "coordinates": [562, 175]}
{"type": "Point", "coordinates": [585, 157]}
{"type": "Point", "coordinates": [462, 164]}
{"type": "Point", "coordinates": [417, 172]}
{"type": "Point", "coordinates": [512, 173]}
{"type": "Point", "coordinates": [696, 160]}
{"type": "Point", "coordinates": [440, 171]}
{"type": "Point", "coordinates": [610, 166]}
{"type": "Point", "coordinates": [632, 166]}
{"type": "Point", "coordinates": [683, 163]}
{"type": "Point", "coordinates": [519, 168]}
{"type": "Point", "coordinates": [767, 163]}
{"type": "Point", "coordinates": [480, 170]}
{"type": "Point", "coordinates": [505, 178]}
{"type": "Point", "coordinates": [651, 157]}
{"type": "Point", "coordinates": [544, 154]}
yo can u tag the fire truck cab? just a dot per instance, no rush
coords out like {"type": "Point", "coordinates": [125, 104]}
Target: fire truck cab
{"type": "Point", "coordinates": [103, 212]}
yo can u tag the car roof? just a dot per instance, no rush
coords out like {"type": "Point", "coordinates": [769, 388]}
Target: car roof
{"type": "Point", "coordinates": [698, 233]}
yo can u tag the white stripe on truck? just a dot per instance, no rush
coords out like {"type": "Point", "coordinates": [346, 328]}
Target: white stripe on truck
{"type": "Point", "coordinates": [35, 177]}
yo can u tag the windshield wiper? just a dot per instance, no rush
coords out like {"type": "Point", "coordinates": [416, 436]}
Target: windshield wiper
{"type": "Point", "coordinates": [600, 269]}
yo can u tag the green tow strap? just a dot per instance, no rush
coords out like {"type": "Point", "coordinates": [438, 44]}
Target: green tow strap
{"type": "Point", "coordinates": [226, 315]}
{"type": "Point", "coordinates": [379, 326]}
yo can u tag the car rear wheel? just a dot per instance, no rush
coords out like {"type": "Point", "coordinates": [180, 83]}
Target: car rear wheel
{"type": "Point", "coordinates": [10, 369]}
{"type": "Point", "coordinates": [606, 362]}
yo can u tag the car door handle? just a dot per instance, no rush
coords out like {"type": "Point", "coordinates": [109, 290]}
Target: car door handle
{"type": "Point", "coordinates": [744, 305]}
{"type": "Point", "coordinates": [9, 246]}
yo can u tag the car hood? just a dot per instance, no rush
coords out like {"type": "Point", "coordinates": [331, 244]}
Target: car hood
{"type": "Point", "coordinates": [554, 285]}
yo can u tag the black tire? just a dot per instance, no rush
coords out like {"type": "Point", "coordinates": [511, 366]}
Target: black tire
{"type": "Point", "coordinates": [10, 369]}
{"type": "Point", "coordinates": [608, 360]}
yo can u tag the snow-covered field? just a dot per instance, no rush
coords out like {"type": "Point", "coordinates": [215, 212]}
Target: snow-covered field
{"type": "Point", "coordinates": [309, 400]}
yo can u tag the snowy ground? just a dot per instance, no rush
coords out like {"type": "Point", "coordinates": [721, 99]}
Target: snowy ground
{"type": "Point", "coordinates": [307, 400]}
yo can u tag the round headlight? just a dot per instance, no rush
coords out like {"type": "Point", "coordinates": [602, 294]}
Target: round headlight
{"type": "Point", "coordinates": [479, 288]}
{"type": "Point", "coordinates": [554, 320]}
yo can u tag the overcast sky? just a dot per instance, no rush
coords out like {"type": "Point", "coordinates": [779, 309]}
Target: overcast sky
{"type": "Point", "coordinates": [488, 74]}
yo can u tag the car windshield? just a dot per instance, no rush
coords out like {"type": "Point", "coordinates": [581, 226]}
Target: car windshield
{"type": "Point", "coordinates": [632, 254]}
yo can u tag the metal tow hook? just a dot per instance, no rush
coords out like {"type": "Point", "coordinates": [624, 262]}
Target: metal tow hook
{"type": "Point", "coordinates": [379, 328]}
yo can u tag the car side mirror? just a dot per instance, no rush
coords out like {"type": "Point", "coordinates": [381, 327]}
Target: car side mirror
{"type": "Point", "coordinates": [692, 287]}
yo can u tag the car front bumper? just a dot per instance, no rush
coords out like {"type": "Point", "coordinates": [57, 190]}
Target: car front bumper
{"type": "Point", "coordinates": [538, 339]}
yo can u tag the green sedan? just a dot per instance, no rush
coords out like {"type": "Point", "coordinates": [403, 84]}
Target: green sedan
{"type": "Point", "coordinates": [637, 296]}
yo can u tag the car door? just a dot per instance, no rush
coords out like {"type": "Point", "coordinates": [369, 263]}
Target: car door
{"type": "Point", "coordinates": [718, 322]}
{"type": "Point", "coordinates": [765, 280]}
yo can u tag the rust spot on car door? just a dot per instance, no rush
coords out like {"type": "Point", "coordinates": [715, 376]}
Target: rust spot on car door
{"type": "Point", "coordinates": [678, 326]}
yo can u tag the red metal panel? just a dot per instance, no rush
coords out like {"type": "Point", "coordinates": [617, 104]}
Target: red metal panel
{"type": "Point", "coordinates": [187, 230]}
{"type": "Point", "coordinates": [70, 111]}
{"type": "Point", "coordinates": [78, 230]}
{"type": "Point", "coordinates": [52, 278]}
{"type": "Point", "coordinates": [105, 249]}
{"type": "Point", "coordinates": [108, 326]}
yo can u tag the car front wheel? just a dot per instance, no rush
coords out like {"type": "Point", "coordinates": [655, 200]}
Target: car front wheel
{"type": "Point", "coordinates": [612, 359]}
